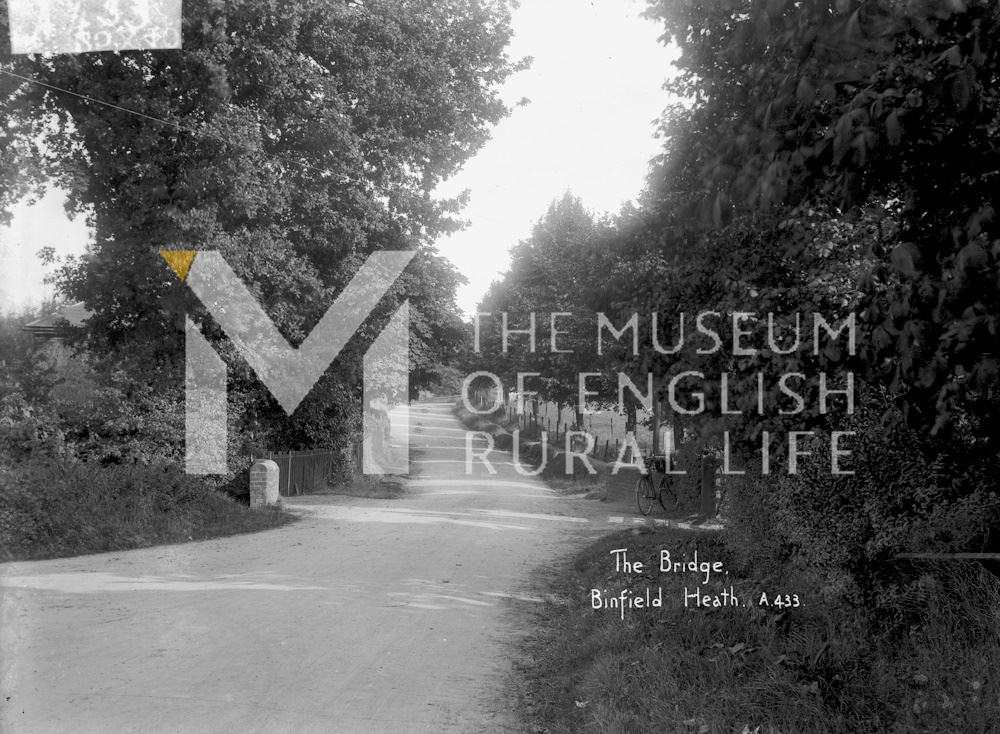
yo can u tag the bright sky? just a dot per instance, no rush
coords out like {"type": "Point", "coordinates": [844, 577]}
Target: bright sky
{"type": "Point", "coordinates": [44, 224]}
{"type": "Point", "coordinates": [595, 88]}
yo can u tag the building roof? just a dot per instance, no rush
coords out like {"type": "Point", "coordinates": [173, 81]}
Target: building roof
{"type": "Point", "coordinates": [69, 317]}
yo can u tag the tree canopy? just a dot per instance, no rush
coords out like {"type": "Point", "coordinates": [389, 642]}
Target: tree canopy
{"type": "Point", "coordinates": [832, 157]}
{"type": "Point", "coordinates": [882, 109]}
{"type": "Point", "coordinates": [294, 138]}
{"type": "Point", "coordinates": [542, 289]}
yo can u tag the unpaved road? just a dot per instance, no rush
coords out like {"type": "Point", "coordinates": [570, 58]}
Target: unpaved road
{"type": "Point", "coordinates": [365, 616]}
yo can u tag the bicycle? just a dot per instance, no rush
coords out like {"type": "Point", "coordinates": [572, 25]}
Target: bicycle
{"type": "Point", "coordinates": [655, 486]}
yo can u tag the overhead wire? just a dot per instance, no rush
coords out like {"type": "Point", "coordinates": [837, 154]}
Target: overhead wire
{"type": "Point", "coordinates": [170, 123]}
{"type": "Point", "coordinates": [180, 127]}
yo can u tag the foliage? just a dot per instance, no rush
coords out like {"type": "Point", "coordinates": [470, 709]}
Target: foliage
{"type": "Point", "coordinates": [60, 402]}
{"type": "Point", "coordinates": [823, 165]}
{"type": "Point", "coordinates": [865, 102]}
{"type": "Point", "coordinates": [63, 405]}
{"type": "Point", "coordinates": [58, 507]}
{"type": "Point", "coordinates": [667, 270]}
{"type": "Point", "coordinates": [446, 381]}
{"type": "Point", "coordinates": [815, 669]}
{"type": "Point", "coordinates": [295, 139]}
{"type": "Point", "coordinates": [549, 273]}
{"type": "Point", "coordinates": [910, 492]}
{"type": "Point", "coordinates": [834, 157]}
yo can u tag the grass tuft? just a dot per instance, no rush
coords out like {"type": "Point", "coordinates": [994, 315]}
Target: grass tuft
{"type": "Point", "coordinates": [371, 487]}
{"type": "Point", "coordinates": [55, 508]}
{"type": "Point", "coordinates": [817, 668]}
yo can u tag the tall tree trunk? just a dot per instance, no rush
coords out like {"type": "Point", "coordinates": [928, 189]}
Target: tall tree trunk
{"type": "Point", "coordinates": [631, 421]}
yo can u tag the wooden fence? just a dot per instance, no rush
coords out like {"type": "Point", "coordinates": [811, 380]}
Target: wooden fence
{"type": "Point", "coordinates": [301, 472]}
{"type": "Point", "coordinates": [709, 494]}
{"type": "Point", "coordinates": [532, 425]}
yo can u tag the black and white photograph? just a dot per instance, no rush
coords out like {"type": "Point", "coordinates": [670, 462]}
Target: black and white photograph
{"type": "Point", "coordinates": [500, 366]}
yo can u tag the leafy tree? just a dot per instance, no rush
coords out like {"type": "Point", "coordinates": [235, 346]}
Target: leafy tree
{"type": "Point", "coordinates": [295, 139]}
{"type": "Point", "coordinates": [550, 274]}
{"type": "Point", "coordinates": [19, 371]}
{"type": "Point", "coordinates": [839, 156]}
{"type": "Point", "coordinates": [884, 103]}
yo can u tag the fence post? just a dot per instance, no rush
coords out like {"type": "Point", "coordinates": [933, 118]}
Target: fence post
{"type": "Point", "coordinates": [708, 486]}
{"type": "Point", "coordinates": [288, 475]}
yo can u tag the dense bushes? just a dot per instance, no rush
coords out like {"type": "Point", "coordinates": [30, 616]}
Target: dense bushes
{"type": "Point", "coordinates": [910, 492]}
{"type": "Point", "coordinates": [818, 668]}
{"type": "Point", "coordinates": [65, 404]}
{"type": "Point", "coordinates": [91, 459]}
{"type": "Point", "coordinates": [57, 507]}
{"type": "Point", "coordinates": [445, 381]}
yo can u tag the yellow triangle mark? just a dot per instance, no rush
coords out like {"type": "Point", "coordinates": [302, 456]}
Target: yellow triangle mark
{"type": "Point", "coordinates": [179, 261]}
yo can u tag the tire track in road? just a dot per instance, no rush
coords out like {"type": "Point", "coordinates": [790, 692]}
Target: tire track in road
{"type": "Point", "coordinates": [365, 616]}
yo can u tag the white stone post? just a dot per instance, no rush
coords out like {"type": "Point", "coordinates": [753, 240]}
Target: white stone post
{"type": "Point", "coordinates": [263, 483]}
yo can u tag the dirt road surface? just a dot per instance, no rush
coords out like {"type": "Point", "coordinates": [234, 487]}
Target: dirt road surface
{"type": "Point", "coordinates": [364, 616]}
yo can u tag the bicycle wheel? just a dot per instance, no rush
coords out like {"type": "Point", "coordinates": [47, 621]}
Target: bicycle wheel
{"type": "Point", "coordinates": [667, 495]}
{"type": "Point", "coordinates": [645, 495]}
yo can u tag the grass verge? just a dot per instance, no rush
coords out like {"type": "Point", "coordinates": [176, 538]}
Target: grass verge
{"type": "Point", "coordinates": [751, 668]}
{"type": "Point", "coordinates": [53, 508]}
{"type": "Point", "coordinates": [370, 487]}
{"type": "Point", "coordinates": [592, 487]}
